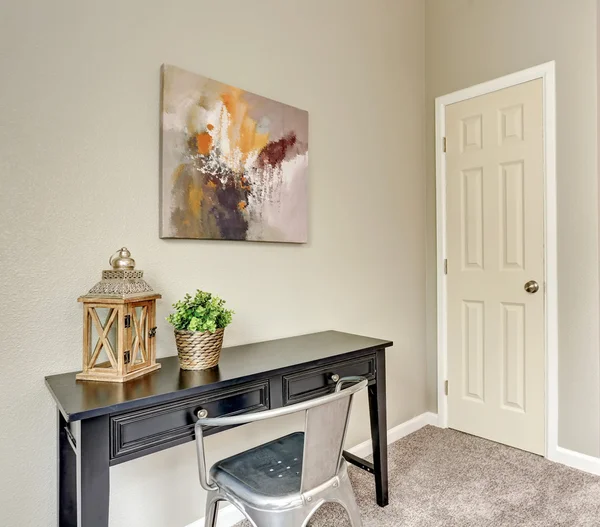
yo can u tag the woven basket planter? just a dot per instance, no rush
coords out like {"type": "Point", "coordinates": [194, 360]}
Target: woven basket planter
{"type": "Point", "coordinates": [198, 350]}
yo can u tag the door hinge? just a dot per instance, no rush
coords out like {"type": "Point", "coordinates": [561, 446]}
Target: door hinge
{"type": "Point", "coordinates": [446, 387]}
{"type": "Point", "coordinates": [446, 266]}
{"type": "Point", "coordinates": [127, 321]}
{"type": "Point", "coordinates": [444, 144]}
{"type": "Point", "coordinates": [127, 357]}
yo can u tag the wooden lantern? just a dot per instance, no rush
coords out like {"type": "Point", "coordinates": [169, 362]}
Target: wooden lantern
{"type": "Point", "coordinates": [119, 324]}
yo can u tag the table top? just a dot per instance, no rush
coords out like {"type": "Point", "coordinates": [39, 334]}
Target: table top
{"type": "Point", "coordinates": [84, 399]}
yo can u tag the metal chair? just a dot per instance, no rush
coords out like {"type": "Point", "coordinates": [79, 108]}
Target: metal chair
{"type": "Point", "coordinates": [284, 482]}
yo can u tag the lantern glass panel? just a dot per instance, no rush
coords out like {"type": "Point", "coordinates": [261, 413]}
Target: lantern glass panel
{"type": "Point", "coordinates": [142, 316]}
{"type": "Point", "coordinates": [140, 330]}
{"type": "Point", "coordinates": [103, 333]}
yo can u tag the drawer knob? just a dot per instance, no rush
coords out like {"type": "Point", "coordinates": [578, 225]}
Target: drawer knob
{"type": "Point", "coordinates": [202, 413]}
{"type": "Point", "coordinates": [335, 377]}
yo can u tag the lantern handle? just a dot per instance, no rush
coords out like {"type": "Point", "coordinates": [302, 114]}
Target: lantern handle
{"type": "Point", "coordinates": [122, 259]}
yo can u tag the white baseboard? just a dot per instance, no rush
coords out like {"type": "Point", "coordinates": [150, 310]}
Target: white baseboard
{"type": "Point", "coordinates": [576, 460]}
{"type": "Point", "coordinates": [229, 515]}
{"type": "Point", "coordinates": [398, 432]}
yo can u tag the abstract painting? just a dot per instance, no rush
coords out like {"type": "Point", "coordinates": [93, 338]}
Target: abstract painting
{"type": "Point", "coordinates": [234, 165]}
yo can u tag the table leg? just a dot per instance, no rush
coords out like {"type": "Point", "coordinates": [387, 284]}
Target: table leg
{"type": "Point", "coordinates": [93, 481]}
{"type": "Point", "coordinates": [67, 475]}
{"type": "Point", "coordinates": [377, 413]}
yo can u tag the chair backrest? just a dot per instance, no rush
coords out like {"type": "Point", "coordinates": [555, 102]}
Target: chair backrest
{"type": "Point", "coordinates": [325, 433]}
{"type": "Point", "coordinates": [326, 421]}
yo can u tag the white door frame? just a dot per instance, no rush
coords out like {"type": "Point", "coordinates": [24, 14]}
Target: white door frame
{"type": "Point", "coordinates": [546, 72]}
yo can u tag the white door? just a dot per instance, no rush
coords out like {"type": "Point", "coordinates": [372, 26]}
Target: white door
{"type": "Point", "coordinates": [495, 250]}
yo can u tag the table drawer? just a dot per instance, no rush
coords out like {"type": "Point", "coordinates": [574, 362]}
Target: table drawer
{"type": "Point", "coordinates": [312, 383]}
{"type": "Point", "coordinates": [168, 424]}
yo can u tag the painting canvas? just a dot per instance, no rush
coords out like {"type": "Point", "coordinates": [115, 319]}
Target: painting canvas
{"type": "Point", "coordinates": [234, 165]}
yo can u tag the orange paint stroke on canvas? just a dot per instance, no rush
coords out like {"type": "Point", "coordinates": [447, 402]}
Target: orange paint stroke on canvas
{"type": "Point", "coordinates": [177, 172]}
{"type": "Point", "coordinates": [244, 183]}
{"type": "Point", "coordinates": [204, 143]}
{"type": "Point", "coordinates": [195, 195]}
{"type": "Point", "coordinates": [242, 128]}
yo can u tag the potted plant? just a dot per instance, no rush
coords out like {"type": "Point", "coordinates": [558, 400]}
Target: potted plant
{"type": "Point", "coordinates": [199, 323]}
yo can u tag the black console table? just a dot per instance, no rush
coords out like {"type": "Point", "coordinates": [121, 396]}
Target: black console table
{"type": "Point", "coordinates": [103, 424]}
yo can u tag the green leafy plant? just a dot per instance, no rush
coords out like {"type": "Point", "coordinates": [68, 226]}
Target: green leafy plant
{"type": "Point", "coordinates": [202, 312]}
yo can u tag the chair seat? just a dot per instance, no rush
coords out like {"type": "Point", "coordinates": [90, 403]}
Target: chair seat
{"type": "Point", "coordinates": [273, 469]}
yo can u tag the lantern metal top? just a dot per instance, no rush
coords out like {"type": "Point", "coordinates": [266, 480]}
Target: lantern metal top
{"type": "Point", "coordinates": [123, 281]}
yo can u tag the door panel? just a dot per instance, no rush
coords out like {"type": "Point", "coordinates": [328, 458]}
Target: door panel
{"type": "Point", "coordinates": [473, 351]}
{"type": "Point", "coordinates": [495, 245]}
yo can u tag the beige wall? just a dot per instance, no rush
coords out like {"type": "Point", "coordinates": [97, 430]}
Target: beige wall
{"type": "Point", "coordinates": [468, 42]}
{"type": "Point", "coordinates": [79, 103]}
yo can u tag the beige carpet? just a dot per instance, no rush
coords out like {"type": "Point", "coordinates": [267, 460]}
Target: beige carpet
{"type": "Point", "coordinates": [446, 478]}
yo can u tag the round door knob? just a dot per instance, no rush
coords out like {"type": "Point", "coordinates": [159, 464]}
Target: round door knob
{"type": "Point", "coordinates": [335, 377]}
{"type": "Point", "coordinates": [532, 287]}
{"type": "Point", "coordinates": [202, 413]}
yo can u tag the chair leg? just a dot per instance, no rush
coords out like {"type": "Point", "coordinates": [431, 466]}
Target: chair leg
{"type": "Point", "coordinates": [212, 509]}
{"type": "Point", "coordinates": [348, 500]}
